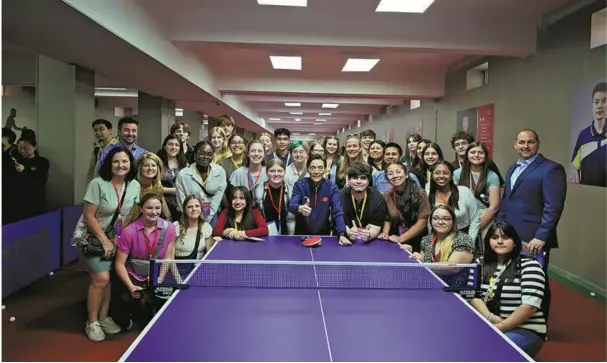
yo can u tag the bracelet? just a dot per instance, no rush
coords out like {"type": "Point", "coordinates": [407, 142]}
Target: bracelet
{"type": "Point", "coordinates": [489, 317]}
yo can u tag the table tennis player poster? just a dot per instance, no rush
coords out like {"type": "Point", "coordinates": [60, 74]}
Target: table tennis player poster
{"type": "Point", "coordinates": [484, 126]}
{"type": "Point", "coordinates": [478, 122]}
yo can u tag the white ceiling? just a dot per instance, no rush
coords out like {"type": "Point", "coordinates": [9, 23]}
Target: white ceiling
{"type": "Point", "coordinates": [201, 51]}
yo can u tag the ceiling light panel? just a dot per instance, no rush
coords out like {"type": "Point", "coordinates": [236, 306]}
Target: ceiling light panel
{"type": "Point", "coordinates": [301, 3]}
{"type": "Point", "coordinates": [321, 119]}
{"type": "Point", "coordinates": [330, 105]}
{"type": "Point", "coordinates": [324, 114]}
{"type": "Point", "coordinates": [292, 104]}
{"type": "Point", "coordinates": [403, 6]}
{"type": "Point", "coordinates": [296, 113]}
{"type": "Point", "coordinates": [359, 64]}
{"type": "Point", "coordinates": [291, 63]}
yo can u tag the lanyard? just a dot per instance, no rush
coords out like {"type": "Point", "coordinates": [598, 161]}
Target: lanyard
{"type": "Point", "coordinates": [493, 284]}
{"type": "Point", "coordinates": [359, 217]}
{"type": "Point", "coordinates": [441, 196]}
{"type": "Point", "coordinates": [147, 190]}
{"type": "Point", "coordinates": [236, 226]}
{"type": "Point", "coordinates": [251, 183]}
{"type": "Point", "coordinates": [434, 256]}
{"type": "Point", "coordinates": [118, 194]}
{"type": "Point", "coordinates": [204, 181]}
{"type": "Point", "coordinates": [279, 208]}
{"type": "Point", "coordinates": [473, 185]}
{"type": "Point", "coordinates": [299, 173]}
{"type": "Point", "coordinates": [234, 162]}
{"type": "Point", "coordinates": [150, 247]}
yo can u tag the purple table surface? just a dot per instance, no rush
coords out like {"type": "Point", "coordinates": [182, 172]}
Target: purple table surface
{"type": "Point", "coordinates": [232, 324]}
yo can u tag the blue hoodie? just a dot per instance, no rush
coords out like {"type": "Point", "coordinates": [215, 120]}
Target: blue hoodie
{"type": "Point", "coordinates": [324, 201]}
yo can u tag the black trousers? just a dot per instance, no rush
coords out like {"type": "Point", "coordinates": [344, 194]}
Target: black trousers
{"type": "Point", "coordinates": [124, 308]}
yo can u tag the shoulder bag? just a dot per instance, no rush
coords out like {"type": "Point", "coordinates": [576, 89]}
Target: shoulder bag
{"type": "Point", "coordinates": [92, 246]}
{"type": "Point", "coordinates": [142, 267]}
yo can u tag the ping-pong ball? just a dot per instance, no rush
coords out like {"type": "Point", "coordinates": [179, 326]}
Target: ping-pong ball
{"type": "Point", "coordinates": [51, 273]}
{"type": "Point", "coordinates": [592, 294]}
{"type": "Point", "coordinates": [3, 307]}
{"type": "Point", "coordinates": [11, 319]}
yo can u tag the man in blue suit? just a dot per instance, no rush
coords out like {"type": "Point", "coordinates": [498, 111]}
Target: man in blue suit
{"type": "Point", "coordinates": [534, 198]}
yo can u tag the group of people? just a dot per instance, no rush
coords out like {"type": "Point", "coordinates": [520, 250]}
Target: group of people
{"type": "Point", "coordinates": [24, 176]}
{"type": "Point", "coordinates": [178, 202]}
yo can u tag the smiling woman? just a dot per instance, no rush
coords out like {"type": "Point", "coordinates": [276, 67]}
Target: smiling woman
{"type": "Point", "coordinates": [253, 171]}
{"type": "Point", "coordinates": [148, 237]}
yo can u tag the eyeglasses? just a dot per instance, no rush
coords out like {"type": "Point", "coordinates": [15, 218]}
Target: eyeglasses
{"type": "Point", "coordinates": [442, 219]}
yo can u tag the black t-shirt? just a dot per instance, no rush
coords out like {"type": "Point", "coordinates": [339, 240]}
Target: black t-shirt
{"type": "Point", "coordinates": [374, 212]}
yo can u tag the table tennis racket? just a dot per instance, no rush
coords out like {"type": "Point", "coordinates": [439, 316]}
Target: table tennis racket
{"type": "Point", "coordinates": [311, 241]}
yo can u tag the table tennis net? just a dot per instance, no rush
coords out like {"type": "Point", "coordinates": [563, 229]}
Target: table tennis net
{"type": "Point", "coordinates": [314, 275]}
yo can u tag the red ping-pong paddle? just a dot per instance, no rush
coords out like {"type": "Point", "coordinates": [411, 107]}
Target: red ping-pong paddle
{"type": "Point", "coordinates": [311, 241]}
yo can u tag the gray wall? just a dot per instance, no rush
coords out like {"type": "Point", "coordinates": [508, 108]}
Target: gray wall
{"type": "Point", "coordinates": [534, 92]}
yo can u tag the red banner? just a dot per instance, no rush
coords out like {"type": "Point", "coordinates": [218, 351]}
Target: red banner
{"type": "Point", "coordinates": [485, 126]}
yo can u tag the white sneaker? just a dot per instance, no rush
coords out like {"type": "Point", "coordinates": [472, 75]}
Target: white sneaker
{"type": "Point", "coordinates": [94, 332]}
{"type": "Point", "coordinates": [109, 326]}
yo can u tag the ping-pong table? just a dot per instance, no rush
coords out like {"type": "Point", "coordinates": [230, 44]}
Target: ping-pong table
{"type": "Point", "coordinates": [240, 324]}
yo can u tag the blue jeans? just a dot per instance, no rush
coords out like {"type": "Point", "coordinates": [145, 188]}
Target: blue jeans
{"type": "Point", "coordinates": [528, 341]}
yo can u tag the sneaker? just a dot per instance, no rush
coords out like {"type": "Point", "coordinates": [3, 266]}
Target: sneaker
{"type": "Point", "coordinates": [109, 327]}
{"type": "Point", "coordinates": [94, 332]}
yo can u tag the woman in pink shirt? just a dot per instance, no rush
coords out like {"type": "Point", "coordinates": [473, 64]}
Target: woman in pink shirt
{"type": "Point", "coordinates": [148, 237]}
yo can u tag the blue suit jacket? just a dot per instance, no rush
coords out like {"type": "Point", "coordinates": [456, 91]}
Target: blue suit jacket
{"type": "Point", "coordinates": [534, 204]}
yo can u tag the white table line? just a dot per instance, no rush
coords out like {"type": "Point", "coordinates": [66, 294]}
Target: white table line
{"type": "Point", "coordinates": [322, 311]}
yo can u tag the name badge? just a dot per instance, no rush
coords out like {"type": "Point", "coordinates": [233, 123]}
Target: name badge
{"type": "Point", "coordinates": [206, 208]}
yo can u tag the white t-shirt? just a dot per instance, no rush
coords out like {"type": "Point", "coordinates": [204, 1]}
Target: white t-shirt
{"type": "Point", "coordinates": [185, 245]}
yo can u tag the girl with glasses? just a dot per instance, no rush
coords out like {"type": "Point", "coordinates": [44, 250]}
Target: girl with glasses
{"type": "Point", "coordinates": [445, 243]}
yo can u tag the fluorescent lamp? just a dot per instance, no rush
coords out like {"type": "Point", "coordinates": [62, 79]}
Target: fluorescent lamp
{"type": "Point", "coordinates": [296, 113]}
{"type": "Point", "coordinates": [296, 133]}
{"type": "Point", "coordinates": [110, 88]}
{"type": "Point", "coordinates": [403, 6]}
{"type": "Point", "coordinates": [321, 119]}
{"type": "Point", "coordinates": [302, 3]}
{"type": "Point", "coordinates": [179, 110]}
{"type": "Point", "coordinates": [297, 119]}
{"type": "Point", "coordinates": [324, 114]}
{"type": "Point", "coordinates": [330, 105]}
{"type": "Point", "coordinates": [359, 65]}
{"type": "Point", "coordinates": [274, 119]}
{"type": "Point", "coordinates": [312, 134]}
{"type": "Point", "coordinates": [292, 104]}
{"type": "Point", "coordinates": [286, 62]}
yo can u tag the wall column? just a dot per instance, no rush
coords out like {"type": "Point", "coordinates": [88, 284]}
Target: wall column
{"type": "Point", "coordinates": [156, 115]}
{"type": "Point", "coordinates": [194, 120]}
{"type": "Point", "coordinates": [65, 102]}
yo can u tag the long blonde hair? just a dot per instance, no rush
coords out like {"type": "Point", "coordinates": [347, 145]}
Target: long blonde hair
{"type": "Point", "coordinates": [447, 243]}
{"type": "Point", "coordinates": [156, 185]}
{"type": "Point", "coordinates": [344, 165]}
{"type": "Point", "coordinates": [183, 221]}
{"type": "Point", "coordinates": [222, 133]}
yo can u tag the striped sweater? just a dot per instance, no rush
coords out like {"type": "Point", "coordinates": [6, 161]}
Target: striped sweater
{"type": "Point", "coordinates": [526, 288]}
